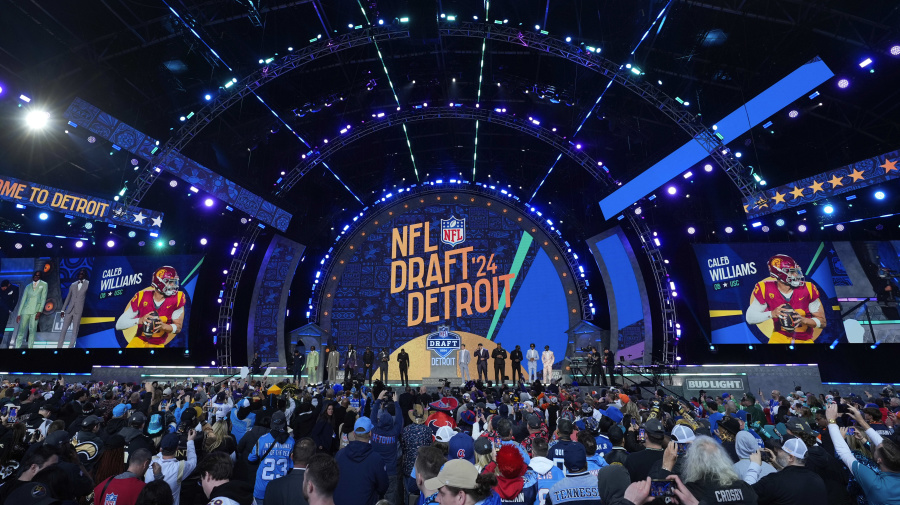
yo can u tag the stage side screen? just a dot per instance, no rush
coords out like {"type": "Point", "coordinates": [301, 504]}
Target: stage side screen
{"type": "Point", "coordinates": [98, 302]}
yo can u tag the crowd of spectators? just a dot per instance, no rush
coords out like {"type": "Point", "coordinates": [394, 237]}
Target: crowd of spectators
{"type": "Point", "coordinates": [243, 442]}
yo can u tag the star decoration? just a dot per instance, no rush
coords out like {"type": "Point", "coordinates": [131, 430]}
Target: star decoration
{"type": "Point", "coordinates": [763, 203]}
{"type": "Point", "coordinates": [836, 181]}
{"type": "Point", "coordinates": [745, 209]}
{"type": "Point", "coordinates": [856, 174]}
{"type": "Point", "coordinates": [889, 165]}
{"type": "Point", "coordinates": [779, 197]}
{"type": "Point", "coordinates": [816, 186]}
{"type": "Point", "coordinates": [139, 217]}
{"type": "Point", "coordinates": [157, 221]}
{"type": "Point", "coordinates": [797, 192]}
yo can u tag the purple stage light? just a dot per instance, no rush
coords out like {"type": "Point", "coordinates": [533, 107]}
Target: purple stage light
{"type": "Point", "coordinates": [728, 229]}
{"type": "Point", "coordinates": [171, 242]}
{"type": "Point", "coordinates": [91, 139]}
{"type": "Point", "coordinates": [173, 183]}
{"type": "Point", "coordinates": [203, 241]}
{"type": "Point", "coordinates": [577, 146]}
{"type": "Point", "coordinates": [141, 243]}
{"type": "Point", "coordinates": [793, 113]}
{"type": "Point", "coordinates": [79, 244]}
{"type": "Point", "coordinates": [691, 230]}
{"type": "Point", "coordinates": [708, 167]}
{"type": "Point", "coordinates": [672, 190]}
{"type": "Point", "coordinates": [839, 227]}
{"type": "Point", "coordinates": [801, 228]}
{"type": "Point", "coordinates": [18, 245]}
{"type": "Point", "coordinates": [895, 50]}
{"type": "Point", "coordinates": [49, 245]}
{"type": "Point", "coordinates": [208, 202]}
{"type": "Point", "coordinates": [843, 83]}
{"type": "Point", "coordinates": [110, 243]}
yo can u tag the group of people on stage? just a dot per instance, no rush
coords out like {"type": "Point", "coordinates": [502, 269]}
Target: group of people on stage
{"type": "Point", "coordinates": [354, 368]}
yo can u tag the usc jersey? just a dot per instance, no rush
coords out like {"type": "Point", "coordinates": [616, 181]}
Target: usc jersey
{"type": "Point", "coordinates": [142, 303]}
{"type": "Point", "coordinates": [766, 292]}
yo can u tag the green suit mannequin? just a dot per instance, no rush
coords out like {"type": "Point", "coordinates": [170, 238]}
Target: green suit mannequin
{"type": "Point", "coordinates": [34, 295]}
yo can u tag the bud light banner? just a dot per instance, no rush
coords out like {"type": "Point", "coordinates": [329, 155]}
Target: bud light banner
{"type": "Point", "coordinates": [772, 293]}
{"type": "Point", "coordinates": [101, 302]}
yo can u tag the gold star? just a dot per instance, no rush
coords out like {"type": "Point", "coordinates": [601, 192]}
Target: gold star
{"type": "Point", "coordinates": [836, 181]}
{"type": "Point", "coordinates": [816, 186]}
{"type": "Point", "coordinates": [856, 174]}
{"type": "Point", "coordinates": [889, 165]}
{"type": "Point", "coordinates": [797, 192]}
{"type": "Point", "coordinates": [779, 197]}
{"type": "Point", "coordinates": [745, 209]}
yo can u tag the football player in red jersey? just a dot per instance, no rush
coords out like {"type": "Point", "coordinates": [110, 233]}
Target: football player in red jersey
{"type": "Point", "coordinates": [162, 301]}
{"type": "Point", "coordinates": [792, 303]}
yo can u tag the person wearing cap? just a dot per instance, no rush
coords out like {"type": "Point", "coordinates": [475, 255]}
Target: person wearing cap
{"type": "Point", "coordinates": [44, 456]}
{"type": "Point", "coordinates": [165, 466]}
{"type": "Point", "coordinates": [363, 477]}
{"type": "Point", "coordinates": [754, 411]}
{"type": "Point", "coordinates": [386, 435]}
{"type": "Point", "coordinates": [516, 482]}
{"type": "Point", "coordinates": [794, 483]}
{"type": "Point", "coordinates": [579, 486]}
{"type": "Point", "coordinates": [548, 359]}
{"type": "Point", "coordinates": [728, 428]}
{"type": "Point", "coordinates": [442, 414]}
{"type": "Point", "coordinates": [536, 428]}
{"type": "Point", "coordinates": [87, 410]}
{"type": "Point", "coordinates": [459, 483]}
{"type": "Point", "coordinates": [124, 488]}
{"type": "Point", "coordinates": [242, 419]}
{"type": "Point", "coordinates": [745, 445]}
{"type": "Point", "coordinates": [413, 436]}
{"type": "Point", "coordinates": [708, 473]}
{"type": "Point", "coordinates": [427, 465]}
{"type": "Point", "coordinates": [289, 489]}
{"type": "Point", "coordinates": [461, 446]}
{"type": "Point", "coordinates": [273, 451]}
{"type": "Point", "coordinates": [134, 436]}
{"type": "Point", "coordinates": [484, 455]}
{"type": "Point", "coordinates": [88, 445]}
{"type": "Point", "coordinates": [879, 486]}
{"type": "Point", "coordinates": [641, 462]}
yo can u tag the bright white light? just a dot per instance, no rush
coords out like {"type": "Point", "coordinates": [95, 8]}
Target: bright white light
{"type": "Point", "coordinates": [173, 183]}
{"type": "Point", "coordinates": [728, 229]}
{"type": "Point", "coordinates": [43, 216]}
{"type": "Point", "coordinates": [865, 63]}
{"type": "Point", "coordinates": [79, 244]}
{"type": "Point", "coordinates": [879, 195]}
{"type": "Point", "coordinates": [802, 228]}
{"type": "Point", "coordinates": [203, 241]}
{"type": "Point", "coordinates": [37, 119]}
{"type": "Point", "coordinates": [672, 190]}
{"type": "Point", "coordinates": [209, 202]}
{"type": "Point", "coordinates": [110, 243]}
{"type": "Point", "coordinates": [708, 167]}
{"type": "Point", "coordinates": [839, 227]}
{"type": "Point", "coordinates": [691, 230]}
{"type": "Point", "coordinates": [568, 39]}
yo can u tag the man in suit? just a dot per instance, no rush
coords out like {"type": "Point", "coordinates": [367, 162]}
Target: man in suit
{"type": "Point", "coordinates": [481, 357]}
{"type": "Point", "coordinates": [72, 307]}
{"type": "Point", "coordinates": [368, 361]}
{"type": "Point", "coordinates": [499, 356]}
{"type": "Point", "coordinates": [464, 359]}
{"type": "Point", "coordinates": [9, 298]}
{"type": "Point", "coordinates": [33, 298]}
{"type": "Point", "coordinates": [312, 366]}
{"type": "Point", "coordinates": [548, 359]}
{"type": "Point", "coordinates": [289, 489]}
{"type": "Point", "coordinates": [532, 358]}
{"type": "Point", "coordinates": [331, 363]}
{"type": "Point", "coordinates": [385, 358]}
{"type": "Point", "coordinates": [609, 361]}
{"type": "Point", "coordinates": [403, 361]}
{"type": "Point", "coordinates": [515, 357]}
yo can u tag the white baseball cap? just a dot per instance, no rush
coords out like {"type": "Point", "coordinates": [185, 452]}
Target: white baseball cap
{"type": "Point", "coordinates": [682, 434]}
{"type": "Point", "coordinates": [444, 434]}
{"type": "Point", "coordinates": [795, 447]}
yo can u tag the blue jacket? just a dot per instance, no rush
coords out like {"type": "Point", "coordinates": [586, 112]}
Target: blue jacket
{"type": "Point", "coordinates": [363, 480]}
{"type": "Point", "coordinates": [386, 435]}
{"type": "Point", "coordinates": [239, 427]}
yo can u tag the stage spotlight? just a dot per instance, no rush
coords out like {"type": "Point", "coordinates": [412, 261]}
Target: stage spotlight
{"type": "Point", "coordinates": [688, 174]}
{"type": "Point", "coordinates": [728, 229]}
{"type": "Point", "coordinates": [141, 243]}
{"type": "Point", "coordinates": [895, 50]}
{"type": "Point", "coordinates": [208, 97]}
{"type": "Point", "coordinates": [110, 243]}
{"type": "Point", "coordinates": [37, 119]}
{"type": "Point", "coordinates": [171, 242]}
{"type": "Point", "coordinates": [828, 209]}
{"type": "Point", "coordinates": [88, 225]}
{"type": "Point", "coordinates": [801, 228]}
{"type": "Point", "coordinates": [839, 227]}
{"type": "Point", "coordinates": [18, 245]}
{"type": "Point", "coordinates": [844, 83]}
{"type": "Point", "coordinates": [49, 245]}
{"type": "Point", "coordinates": [791, 346]}
{"type": "Point", "coordinates": [879, 195]}
{"type": "Point", "coordinates": [131, 234]}
{"type": "Point", "coordinates": [691, 230]}
{"type": "Point", "coordinates": [712, 348]}
{"type": "Point", "coordinates": [202, 241]}
{"type": "Point", "coordinates": [568, 39]}
{"type": "Point", "coordinates": [793, 113]}
{"type": "Point", "coordinates": [208, 202]}
{"type": "Point", "coordinates": [780, 222]}
{"type": "Point", "coordinates": [865, 63]}
{"type": "Point", "coordinates": [173, 183]}
{"type": "Point", "coordinates": [43, 216]}
{"type": "Point", "coordinates": [738, 154]}
{"type": "Point", "coordinates": [79, 244]}
{"type": "Point", "coordinates": [765, 229]}
{"type": "Point", "coordinates": [750, 347]}
{"type": "Point", "coordinates": [672, 190]}
{"type": "Point", "coordinates": [638, 211]}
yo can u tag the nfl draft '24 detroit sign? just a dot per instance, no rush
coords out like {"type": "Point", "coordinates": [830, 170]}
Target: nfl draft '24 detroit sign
{"type": "Point", "coordinates": [443, 342]}
{"type": "Point", "coordinates": [453, 231]}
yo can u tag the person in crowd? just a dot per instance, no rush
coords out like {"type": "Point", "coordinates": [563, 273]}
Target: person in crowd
{"type": "Point", "coordinates": [516, 482]}
{"type": "Point", "coordinates": [363, 477]}
{"type": "Point", "coordinates": [579, 487]}
{"type": "Point", "coordinates": [595, 461]}
{"type": "Point", "coordinates": [412, 438]}
{"type": "Point", "coordinates": [124, 488]}
{"type": "Point", "coordinates": [215, 471]}
{"type": "Point", "coordinates": [428, 464]}
{"type": "Point", "coordinates": [157, 492]}
{"type": "Point", "coordinates": [386, 435]}
{"type": "Point", "coordinates": [641, 462]}
{"type": "Point", "coordinates": [325, 430]}
{"type": "Point", "coordinates": [289, 489]}
{"type": "Point", "coordinates": [793, 483]}
{"type": "Point", "coordinates": [273, 451]}
{"type": "Point", "coordinates": [166, 467]}
{"type": "Point", "coordinates": [618, 455]}
{"type": "Point", "coordinates": [746, 446]}
{"type": "Point", "coordinates": [403, 365]}
{"type": "Point", "coordinates": [460, 483]}
{"type": "Point", "coordinates": [484, 454]}
{"type": "Point", "coordinates": [546, 471]}
{"type": "Point", "coordinates": [320, 480]}
{"type": "Point", "coordinates": [39, 459]}
{"type": "Point", "coordinates": [708, 472]}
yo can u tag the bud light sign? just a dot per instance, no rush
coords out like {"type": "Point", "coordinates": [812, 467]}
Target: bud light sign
{"type": "Point", "coordinates": [442, 342]}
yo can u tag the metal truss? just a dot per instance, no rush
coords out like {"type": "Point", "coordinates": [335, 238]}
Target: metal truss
{"type": "Point", "coordinates": [318, 288]}
{"type": "Point", "coordinates": [671, 329]}
{"type": "Point", "coordinates": [562, 145]}
{"type": "Point", "coordinates": [226, 308]}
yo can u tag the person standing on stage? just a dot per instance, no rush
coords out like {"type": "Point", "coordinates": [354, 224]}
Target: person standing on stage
{"type": "Point", "coordinates": [516, 358]}
{"type": "Point", "coordinates": [481, 357]}
{"type": "Point", "coordinates": [312, 366]}
{"type": "Point", "coordinates": [609, 359]}
{"type": "Point", "coordinates": [298, 365]}
{"type": "Point", "coordinates": [499, 356]}
{"type": "Point", "coordinates": [464, 359]}
{"type": "Point", "coordinates": [385, 358]}
{"type": "Point", "coordinates": [72, 308]}
{"type": "Point", "coordinates": [596, 361]}
{"type": "Point", "coordinates": [368, 361]}
{"type": "Point", "coordinates": [532, 357]}
{"type": "Point", "coordinates": [548, 359]}
{"type": "Point", "coordinates": [403, 363]}
{"type": "Point", "coordinates": [34, 296]}
{"type": "Point", "coordinates": [331, 363]}
{"type": "Point", "coordinates": [9, 298]}
{"type": "Point", "coordinates": [350, 364]}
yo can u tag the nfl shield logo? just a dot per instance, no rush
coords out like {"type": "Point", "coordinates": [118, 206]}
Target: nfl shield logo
{"type": "Point", "coordinates": [443, 331]}
{"type": "Point", "coordinates": [453, 231]}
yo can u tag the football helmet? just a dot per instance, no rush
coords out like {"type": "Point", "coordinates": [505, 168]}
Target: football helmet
{"type": "Point", "coordinates": [786, 270]}
{"type": "Point", "coordinates": [165, 280]}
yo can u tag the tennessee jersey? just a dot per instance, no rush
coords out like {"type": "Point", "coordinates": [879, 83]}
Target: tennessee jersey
{"type": "Point", "coordinates": [766, 292]}
{"type": "Point", "coordinates": [142, 303]}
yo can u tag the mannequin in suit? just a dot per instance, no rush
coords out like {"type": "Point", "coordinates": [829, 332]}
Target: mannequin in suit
{"type": "Point", "coordinates": [34, 295]}
{"type": "Point", "coordinates": [72, 307]}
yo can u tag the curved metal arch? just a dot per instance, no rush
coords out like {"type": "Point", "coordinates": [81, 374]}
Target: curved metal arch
{"type": "Point", "coordinates": [318, 156]}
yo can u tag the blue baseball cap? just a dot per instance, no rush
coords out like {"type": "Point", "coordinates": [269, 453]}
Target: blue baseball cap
{"type": "Point", "coordinates": [462, 446]}
{"type": "Point", "coordinates": [741, 414]}
{"type": "Point", "coordinates": [363, 425]}
{"type": "Point", "coordinates": [575, 459]}
{"type": "Point", "coordinates": [155, 425]}
{"type": "Point", "coordinates": [119, 410]}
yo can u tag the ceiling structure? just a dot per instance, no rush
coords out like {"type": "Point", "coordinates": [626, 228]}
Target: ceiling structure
{"type": "Point", "coordinates": [152, 62]}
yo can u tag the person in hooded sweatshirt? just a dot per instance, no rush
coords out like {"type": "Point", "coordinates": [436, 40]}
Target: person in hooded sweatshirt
{"type": "Point", "coordinates": [516, 482]}
{"type": "Point", "coordinates": [546, 471]}
{"type": "Point", "coordinates": [242, 420]}
{"type": "Point", "coordinates": [133, 433]}
{"type": "Point", "coordinates": [273, 451]}
{"type": "Point", "coordinates": [745, 445]}
{"type": "Point", "coordinates": [386, 437]}
{"type": "Point", "coordinates": [363, 480]}
{"type": "Point", "coordinates": [165, 466]}
{"type": "Point", "coordinates": [215, 472]}
{"type": "Point", "coordinates": [119, 420]}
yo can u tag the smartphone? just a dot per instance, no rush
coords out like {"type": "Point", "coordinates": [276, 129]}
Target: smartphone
{"type": "Point", "coordinates": [13, 414]}
{"type": "Point", "coordinates": [681, 448]}
{"type": "Point", "coordinates": [164, 405]}
{"type": "Point", "coordinates": [642, 435]}
{"type": "Point", "coordinates": [851, 431]}
{"type": "Point", "coordinates": [661, 487]}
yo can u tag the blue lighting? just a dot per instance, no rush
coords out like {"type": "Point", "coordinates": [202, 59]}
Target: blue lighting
{"type": "Point", "coordinates": [208, 97]}
{"type": "Point", "coordinates": [43, 216]}
{"type": "Point", "coordinates": [828, 209]}
{"type": "Point", "coordinates": [879, 195]}
{"type": "Point", "coordinates": [757, 224]}
{"type": "Point", "coordinates": [780, 222]}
